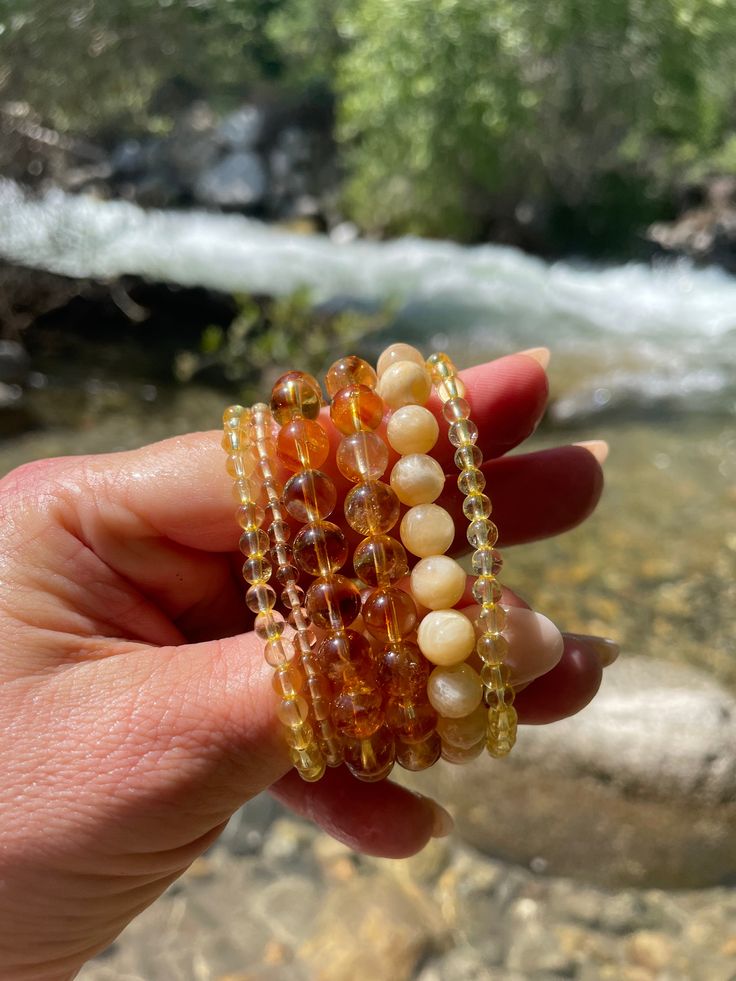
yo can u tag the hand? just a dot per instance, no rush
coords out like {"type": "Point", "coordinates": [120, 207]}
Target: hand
{"type": "Point", "coordinates": [136, 714]}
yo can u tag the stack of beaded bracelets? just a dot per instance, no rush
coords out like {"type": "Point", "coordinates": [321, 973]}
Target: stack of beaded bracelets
{"type": "Point", "coordinates": [390, 670]}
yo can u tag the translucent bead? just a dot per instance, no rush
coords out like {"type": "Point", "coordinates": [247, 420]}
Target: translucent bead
{"type": "Point", "coordinates": [398, 352]}
{"type": "Point", "coordinates": [244, 492]}
{"type": "Point", "coordinates": [349, 371]}
{"type": "Point", "coordinates": [458, 755]}
{"type": "Point", "coordinates": [254, 541]}
{"type": "Point", "coordinates": [485, 561]}
{"type": "Point", "coordinates": [412, 429]}
{"type": "Point", "coordinates": [320, 694]}
{"type": "Point", "coordinates": [451, 388]}
{"type": "Point", "coordinates": [410, 719]}
{"type": "Point", "coordinates": [288, 680]}
{"type": "Point", "coordinates": [232, 415]}
{"type": "Point", "coordinates": [390, 613]}
{"type": "Point", "coordinates": [371, 508]}
{"type": "Point", "coordinates": [260, 598]}
{"type": "Point", "coordinates": [487, 590]}
{"type": "Point", "coordinates": [302, 443]}
{"type": "Point", "coordinates": [230, 442]}
{"type": "Point", "coordinates": [467, 457]}
{"type": "Point", "coordinates": [309, 762]}
{"type": "Point", "coordinates": [286, 573]}
{"type": "Point", "coordinates": [341, 651]}
{"type": "Point", "coordinates": [466, 731]}
{"type": "Point", "coordinates": [310, 495]}
{"type": "Point", "coordinates": [279, 531]}
{"type": "Point", "coordinates": [491, 619]}
{"type": "Point", "coordinates": [454, 691]}
{"type": "Point", "coordinates": [420, 755]}
{"type": "Point", "coordinates": [482, 532]}
{"type": "Point", "coordinates": [371, 759]}
{"type": "Point", "coordinates": [476, 506]}
{"type": "Point", "coordinates": [440, 366]}
{"type": "Point", "coordinates": [402, 669]}
{"type": "Point", "coordinates": [405, 383]}
{"type": "Point", "coordinates": [277, 652]}
{"type": "Point", "coordinates": [462, 432]}
{"type": "Point", "coordinates": [357, 712]}
{"type": "Point", "coordinates": [256, 570]}
{"type": "Point", "coordinates": [320, 548]}
{"type": "Point", "coordinates": [417, 479]}
{"type": "Point", "coordinates": [427, 529]}
{"type": "Point", "coordinates": [492, 646]}
{"type": "Point", "coordinates": [293, 712]}
{"type": "Point", "coordinates": [495, 676]}
{"type": "Point", "coordinates": [471, 480]}
{"type": "Point", "coordinates": [438, 582]}
{"type": "Point", "coordinates": [498, 697]}
{"type": "Point", "coordinates": [295, 394]}
{"type": "Point", "coordinates": [300, 737]}
{"type": "Point", "coordinates": [280, 555]}
{"type": "Point", "coordinates": [446, 637]}
{"type": "Point", "coordinates": [362, 456]}
{"type": "Point", "coordinates": [250, 516]}
{"type": "Point", "coordinates": [333, 603]}
{"type": "Point", "coordinates": [356, 408]}
{"type": "Point", "coordinates": [240, 465]}
{"type": "Point", "coordinates": [269, 626]}
{"type": "Point", "coordinates": [380, 561]}
{"type": "Point", "coordinates": [502, 724]}
{"type": "Point", "coordinates": [455, 409]}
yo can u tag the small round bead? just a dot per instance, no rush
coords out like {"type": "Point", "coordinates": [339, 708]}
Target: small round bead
{"type": "Point", "coordinates": [412, 429]}
{"type": "Point", "coordinates": [485, 561]}
{"type": "Point", "coordinates": [349, 371]}
{"type": "Point", "coordinates": [454, 691]}
{"type": "Point", "coordinates": [362, 456]}
{"type": "Point", "coordinates": [402, 669]}
{"type": "Point", "coordinates": [254, 541]}
{"type": "Point", "coordinates": [410, 720]}
{"type": "Point", "coordinates": [277, 652]}
{"type": "Point", "coordinates": [462, 432]}
{"type": "Point", "coordinates": [492, 646]}
{"type": "Point", "coordinates": [380, 561]}
{"type": "Point", "coordinates": [502, 723]}
{"type": "Point", "coordinates": [293, 712]}
{"type": "Point", "coordinates": [372, 508]}
{"type": "Point", "coordinates": [438, 582]}
{"type": "Point", "coordinates": [405, 383]}
{"type": "Point", "coordinates": [309, 495]}
{"type": "Point", "coordinates": [455, 409]}
{"type": "Point", "coordinates": [466, 731]}
{"type": "Point", "coordinates": [397, 352]}
{"type": "Point", "coordinates": [389, 613]}
{"type": "Point", "coordinates": [427, 529]}
{"type": "Point", "coordinates": [295, 394]}
{"type": "Point", "coordinates": [482, 532]}
{"type": "Point", "coordinates": [250, 515]}
{"type": "Point", "coordinates": [495, 676]}
{"type": "Point", "coordinates": [476, 506]}
{"type": "Point", "coordinates": [232, 414]}
{"type": "Point", "coordinates": [279, 531]}
{"type": "Point", "coordinates": [458, 755]}
{"type": "Point", "coordinates": [257, 570]}
{"type": "Point", "coordinates": [269, 625]}
{"type": "Point", "coordinates": [320, 548]}
{"type": "Point", "coordinates": [471, 481]}
{"type": "Point", "coordinates": [356, 408]}
{"type": "Point", "coordinates": [288, 680]}
{"type": "Point", "coordinates": [451, 388]}
{"type": "Point", "coordinates": [309, 762]}
{"type": "Point", "coordinates": [468, 456]}
{"type": "Point", "coordinates": [358, 712]}
{"type": "Point", "coordinates": [490, 619]}
{"type": "Point", "coordinates": [371, 759]}
{"type": "Point", "coordinates": [333, 603]}
{"type": "Point", "coordinates": [302, 443]}
{"type": "Point", "coordinates": [446, 637]}
{"type": "Point", "coordinates": [417, 479]}
{"type": "Point", "coordinates": [260, 598]}
{"type": "Point", "coordinates": [420, 755]}
{"type": "Point", "coordinates": [487, 590]}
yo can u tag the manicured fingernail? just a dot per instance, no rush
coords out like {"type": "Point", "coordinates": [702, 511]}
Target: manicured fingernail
{"type": "Point", "coordinates": [541, 355]}
{"type": "Point", "coordinates": [606, 649]}
{"type": "Point", "coordinates": [443, 824]}
{"type": "Point", "coordinates": [535, 644]}
{"type": "Point", "coordinates": [598, 447]}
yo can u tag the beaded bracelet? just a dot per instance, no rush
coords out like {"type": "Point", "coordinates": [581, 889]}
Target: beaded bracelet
{"type": "Point", "coordinates": [384, 675]}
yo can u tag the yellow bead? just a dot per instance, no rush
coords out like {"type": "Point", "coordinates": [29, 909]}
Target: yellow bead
{"type": "Point", "coordinates": [405, 383]}
{"type": "Point", "coordinates": [412, 429]}
{"type": "Point", "coordinates": [362, 456]}
{"type": "Point", "coordinates": [427, 529]}
{"type": "Point", "coordinates": [502, 724]}
{"type": "Point", "coordinates": [454, 691]}
{"type": "Point", "coordinates": [380, 560]}
{"type": "Point", "coordinates": [438, 582]}
{"type": "Point", "coordinates": [417, 479]}
{"type": "Point", "coordinates": [372, 508]}
{"type": "Point", "coordinates": [421, 755]}
{"type": "Point", "coordinates": [446, 637]}
{"type": "Point", "coordinates": [349, 371]}
{"type": "Point", "coordinates": [295, 394]}
{"type": "Point", "coordinates": [371, 759]}
{"type": "Point", "coordinates": [292, 712]}
{"type": "Point", "coordinates": [482, 532]}
{"type": "Point", "coordinates": [398, 352]}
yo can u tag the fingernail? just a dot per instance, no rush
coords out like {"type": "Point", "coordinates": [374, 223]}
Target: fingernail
{"type": "Point", "coordinates": [606, 649]}
{"type": "Point", "coordinates": [442, 823]}
{"type": "Point", "coordinates": [598, 447]}
{"type": "Point", "coordinates": [541, 355]}
{"type": "Point", "coordinates": [535, 644]}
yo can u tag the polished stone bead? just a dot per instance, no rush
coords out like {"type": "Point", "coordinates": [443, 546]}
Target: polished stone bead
{"type": "Point", "coordinates": [371, 759]}
{"type": "Point", "coordinates": [293, 711]}
{"type": "Point", "coordinates": [487, 590]}
{"type": "Point", "coordinates": [389, 613]}
{"type": "Point", "coordinates": [462, 432]}
{"type": "Point", "coordinates": [250, 515]}
{"type": "Point", "coordinates": [371, 508]}
{"type": "Point", "coordinates": [438, 582]}
{"type": "Point", "coordinates": [419, 755]}
{"type": "Point", "coordinates": [260, 598]}
{"type": "Point", "coordinates": [455, 409]}
{"type": "Point", "coordinates": [492, 646]}
{"type": "Point", "coordinates": [471, 480]}
{"type": "Point", "coordinates": [465, 731]}
{"type": "Point", "coordinates": [402, 669]}
{"type": "Point", "coordinates": [320, 548]}
{"type": "Point", "coordinates": [333, 603]}
{"type": "Point", "coordinates": [278, 652]}
{"type": "Point", "coordinates": [410, 719]}
{"type": "Point", "coordinates": [476, 506]}
{"type": "Point", "coordinates": [405, 383]}
{"type": "Point", "coordinates": [302, 444]}
{"type": "Point", "coordinates": [380, 561]}
{"type": "Point", "coordinates": [356, 408]}
{"type": "Point", "coordinates": [358, 712]}
{"type": "Point", "coordinates": [490, 619]}
{"type": "Point", "coordinates": [257, 570]}
{"type": "Point", "coordinates": [502, 722]}
{"type": "Point", "coordinates": [446, 637]}
{"type": "Point", "coordinates": [412, 429]}
{"type": "Point", "coordinates": [468, 457]}
{"type": "Point", "coordinates": [454, 691]}
{"type": "Point", "coordinates": [345, 657]}
{"type": "Point", "coordinates": [417, 479]}
{"type": "Point", "coordinates": [362, 456]}
{"type": "Point", "coordinates": [310, 495]}
{"type": "Point", "coordinates": [398, 352]}
{"type": "Point", "coordinates": [349, 371]}
{"type": "Point", "coordinates": [482, 532]}
{"type": "Point", "coordinates": [427, 529]}
{"type": "Point", "coordinates": [459, 755]}
{"type": "Point", "coordinates": [288, 679]}
{"type": "Point", "coordinates": [269, 625]}
{"type": "Point", "coordinates": [295, 394]}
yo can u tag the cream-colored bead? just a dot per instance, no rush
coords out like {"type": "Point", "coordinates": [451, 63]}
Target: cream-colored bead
{"type": "Point", "coordinates": [466, 731]}
{"type": "Point", "coordinates": [438, 582]}
{"type": "Point", "coordinates": [412, 429]}
{"type": "Point", "coordinates": [446, 637]}
{"type": "Point", "coordinates": [427, 529]}
{"type": "Point", "coordinates": [454, 691]}
{"type": "Point", "coordinates": [404, 383]}
{"type": "Point", "coordinates": [417, 479]}
{"type": "Point", "coordinates": [398, 352]}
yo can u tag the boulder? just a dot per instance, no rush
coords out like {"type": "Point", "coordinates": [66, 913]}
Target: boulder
{"type": "Point", "coordinates": [237, 181]}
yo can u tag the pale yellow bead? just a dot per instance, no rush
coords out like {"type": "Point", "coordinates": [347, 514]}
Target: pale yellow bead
{"type": "Point", "coordinates": [438, 582]}
{"type": "Point", "coordinates": [446, 637]}
{"type": "Point", "coordinates": [454, 691]}
{"type": "Point", "coordinates": [398, 352]}
{"type": "Point", "coordinates": [427, 529]}
{"type": "Point", "coordinates": [412, 429]}
{"type": "Point", "coordinates": [460, 755]}
{"type": "Point", "coordinates": [417, 479]}
{"type": "Point", "coordinates": [404, 383]}
{"type": "Point", "coordinates": [466, 731]}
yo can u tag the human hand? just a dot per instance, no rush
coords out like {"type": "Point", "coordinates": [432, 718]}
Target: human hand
{"type": "Point", "coordinates": [136, 712]}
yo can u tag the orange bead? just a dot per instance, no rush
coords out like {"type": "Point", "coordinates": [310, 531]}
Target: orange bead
{"type": "Point", "coordinates": [310, 495]}
{"type": "Point", "coordinates": [344, 657]}
{"type": "Point", "coordinates": [320, 548]}
{"type": "Point", "coordinates": [333, 603]}
{"type": "Point", "coordinates": [295, 394]}
{"type": "Point", "coordinates": [421, 755]}
{"type": "Point", "coordinates": [356, 408]}
{"type": "Point", "coordinates": [302, 443]}
{"type": "Point", "coordinates": [390, 614]}
{"type": "Point", "coordinates": [403, 669]}
{"type": "Point", "coordinates": [380, 561]}
{"type": "Point", "coordinates": [371, 759]}
{"type": "Point", "coordinates": [362, 456]}
{"type": "Point", "coordinates": [357, 712]}
{"type": "Point", "coordinates": [410, 720]}
{"type": "Point", "coordinates": [372, 508]}
{"type": "Point", "coordinates": [349, 371]}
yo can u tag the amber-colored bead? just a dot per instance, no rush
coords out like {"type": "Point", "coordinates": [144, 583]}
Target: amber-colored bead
{"type": "Point", "coordinates": [302, 443]}
{"type": "Point", "coordinates": [380, 561]}
{"type": "Point", "coordinates": [293, 711]}
{"type": "Point", "coordinates": [288, 679]}
{"type": "Point", "coordinates": [320, 548]}
{"type": "Point", "coordinates": [390, 613]}
{"type": "Point", "coordinates": [358, 712]}
{"type": "Point", "coordinates": [240, 466]}
{"type": "Point", "coordinates": [250, 516]}
{"type": "Point", "coordinates": [300, 737]}
{"type": "Point", "coordinates": [501, 736]}
{"type": "Point", "coordinates": [362, 456]}
{"type": "Point", "coordinates": [344, 657]}
{"type": "Point", "coordinates": [320, 694]}
{"type": "Point", "coordinates": [295, 394]}
{"type": "Point", "coordinates": [455, 409]}
{"type": "Point", "coordinates": [372, 508]}
{"type": "Point", "coordinates": [356, 408]}
{"type": "Point", "coordinates": [410, 719]}
{"type": "Point", "coordinates": [310, 495]}
{"type": "Point", "coordinates": [349, 371]}
{"type": "Point", "coordinates": [460, 754]}
{"type": "Point", "coordinates": [371, 759]}
{"type": "Point", "coordinates": [333, 603]}
{"type": "Point", "coordinates": [466, 731]}
{"type": "Point", "coordinates": [233, 414]}
{"type": "Point", "coordinates": [403, 669]}
{"type": "Point", "coordinates": [256, 570]}
{"type": "Point", "coordinates": [309, 762]}
{"type": "Point", "coordinates": [254, 541]}
{"type": "Point", "coordinates": [419, 755]}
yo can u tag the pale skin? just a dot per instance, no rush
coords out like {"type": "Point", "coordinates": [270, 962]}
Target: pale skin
{"type": "Point", "coordinates": [136, 711]}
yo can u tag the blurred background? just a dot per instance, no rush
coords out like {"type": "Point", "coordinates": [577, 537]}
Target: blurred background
{"type": "Point", "coordinates": [196, 195]}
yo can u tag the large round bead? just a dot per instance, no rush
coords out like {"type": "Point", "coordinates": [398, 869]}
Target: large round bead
{"type": "Point", "coordinates": [295, 394]}
{"type": "Point", "coordinates": [358, 712]}
{"type": "Point", "coordinates": [405, 383]}
{"type": "Point", "coordinates": [412, 429]}
{"type": "Point", "coordinates": [371, 759]}
{"type": "Point", "coordinates": [362, 456]}
{"type": "Point", "coordinates": [320, 548]}
{"type": "Point", "coordinates": [356, 408]}
{"type": "Point", "coordinates": [302, 443]}
{"type": "Point", "coordinates": [398, 352]}
{"type": "Point", "coordinates": [390, 613]}
{"type": "Point", "coordinates": [402, 669]}
{"type": "Point", "coordinates": [333, 603]}
{"type": "Point", "coordinates": [438, 582]}
{"type": "Point", "coordinates": [309, 495]}
{"type": "Point", "coordinates": [349, 371]}
{"type": "Point", "coordinates": [417, 479]}
{"type": "Point", "coordinates": [371, 508]}
{"type": "Point", "coordinates": [446, 637]}
{"type": "Point", "coordinates": [427, 529]}
{"type": "Point", "coordinates": [455, 691]}
{"type": "Point", "coordinates": [380, 561]}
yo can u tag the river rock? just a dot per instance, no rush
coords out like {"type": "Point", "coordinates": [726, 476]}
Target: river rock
{"type": "Point", "coordinates": [242, 129]}
{"type": "Point", "coordinates": [236, 181]}
{"type": "Point", "coordinates": [638, 789]}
